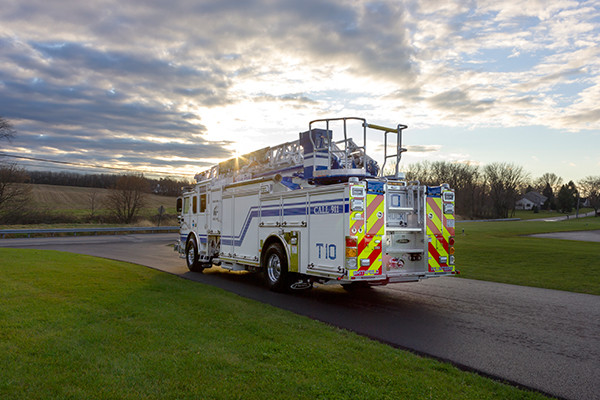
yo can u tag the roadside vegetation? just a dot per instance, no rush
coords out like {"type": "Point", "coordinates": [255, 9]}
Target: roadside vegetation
{"type": "Point", "coordinates": [502, 252]}
{"type": "Point", "coordinates": [75, 326]}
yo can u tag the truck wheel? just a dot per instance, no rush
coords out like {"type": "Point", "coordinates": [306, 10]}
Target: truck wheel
{"type": "Point", "coordinates": [191, 256]}
{"type": "Point", "coordinates": [276, 268]}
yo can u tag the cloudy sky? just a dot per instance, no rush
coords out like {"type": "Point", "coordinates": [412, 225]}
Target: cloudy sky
{"type": "Point", "coordinates": [173, 87]}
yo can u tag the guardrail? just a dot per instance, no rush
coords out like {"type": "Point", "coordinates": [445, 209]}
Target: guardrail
{"type": "Point", "coordinates": [88, 231]}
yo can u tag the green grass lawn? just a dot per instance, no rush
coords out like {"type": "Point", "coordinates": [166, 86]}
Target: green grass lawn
{"type": "Point", "coordinates": [499, 252]}
{"type": "Point", "coordinates": [79, 327]}
{"type": "Point", "coordinates": [529, 214]}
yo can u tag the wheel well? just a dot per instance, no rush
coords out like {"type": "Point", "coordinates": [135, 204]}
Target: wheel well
{"type": "Point", "coordinates": [270, 240]}
{"type": "Point", "coordinates": [192, 235]}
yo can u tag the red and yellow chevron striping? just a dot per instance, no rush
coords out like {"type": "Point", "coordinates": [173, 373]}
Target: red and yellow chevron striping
{"type": "Point", "coordinates": [369, 237]}
{"type": "Point", "coordinates": [440, 228]}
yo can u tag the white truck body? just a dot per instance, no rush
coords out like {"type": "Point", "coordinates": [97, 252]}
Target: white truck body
{"type": "Point", "coordinates": [316, 210]}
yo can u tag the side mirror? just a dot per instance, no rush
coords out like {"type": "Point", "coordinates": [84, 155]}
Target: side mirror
{"type": "Point", "coordinates": [179, 205]}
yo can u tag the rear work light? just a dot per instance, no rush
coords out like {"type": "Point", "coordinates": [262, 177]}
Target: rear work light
{"type": "Point", "coordinates": [357, 205]}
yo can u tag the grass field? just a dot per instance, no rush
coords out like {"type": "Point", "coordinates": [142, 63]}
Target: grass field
{"type": "Point", "coordinates": [528, 214]}
{"type": "Point", "coordinates": [79, 327]}
{"type": "Point", "coordinates": [500, 252]}
{"type": "Point", "coordinates": [75, 203]}
{"type": "Point", "coordinates": [77, 199]}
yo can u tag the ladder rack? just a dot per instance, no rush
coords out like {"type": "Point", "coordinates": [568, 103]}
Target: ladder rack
{"type": "Point", "coordinates": [322, 159]}
{"type": "Point", "coordinates": [266, 161]}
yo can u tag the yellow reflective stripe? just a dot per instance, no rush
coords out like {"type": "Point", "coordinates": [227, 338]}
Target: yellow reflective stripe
{"type": "Point", "coordinates": [435, 227]}
{"type": "Point", "coordinates": [434, 216]}
{"type": "Point", "coordinates": [374, 227]}
{"type": "Point", "coordinates": [434, 265]}
{"type": "Point", "coordinates": [375, 220]}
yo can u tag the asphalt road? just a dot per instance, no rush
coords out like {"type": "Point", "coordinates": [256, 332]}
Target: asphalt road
{"type": "Point", "coordinates": [543, 339]}
{"type": "Point", "coordinates": [584, 236]}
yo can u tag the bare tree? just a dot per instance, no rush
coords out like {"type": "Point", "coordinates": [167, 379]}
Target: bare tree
{"type": "Point", "coordinates": [14, 194]}
{"type": "Point", "coordinates": [504, 181]}
{"type": "Point", "coordinates": [6, 129]}
{"type": "Point", "coordinates": [168, 186]}
{"type": "Point", "coordinates": [93, 198]}
{"type": "Point", "coordinates": [128, 197]}
{"type": "Point", "coordinates": [548, 178]}
{"type": "Point", "coordinates": [590, 188]}
{"type": "Point", "coordinates": [419, 172]}
{"type": "Point", "coordinates": [465, 179]}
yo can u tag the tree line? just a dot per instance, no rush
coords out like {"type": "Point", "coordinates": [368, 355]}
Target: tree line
{"type": "Point", "coordinates": [493, 190]}
{"type": "Point", "coordinates": [162, 186]}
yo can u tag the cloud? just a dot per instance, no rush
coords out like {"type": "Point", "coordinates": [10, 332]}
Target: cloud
{"type": "Point", "coordinates": [85, 98]}
{"type": "Point", "coordinates": [424, 148]}
{"type": "Point", "coordinates": [587, 117]}
{"type": "Point", "coordinates": [107, 74]}
{"type": "Point", "coordinates": [457, 100]}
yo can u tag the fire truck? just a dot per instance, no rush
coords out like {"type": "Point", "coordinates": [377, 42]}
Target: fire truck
{"type": "Point", "coordinates": [319, 210]}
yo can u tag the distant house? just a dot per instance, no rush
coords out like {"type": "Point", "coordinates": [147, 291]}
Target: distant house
{"type": "Point", "coordinates": [531, 200]}
{"type": "Point", "coordinates": [585, 202]}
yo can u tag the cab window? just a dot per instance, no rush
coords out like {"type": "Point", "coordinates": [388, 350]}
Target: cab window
{"type": "Point", "coordinates": [195, 204]}
{"type": "Point", "coordinates": [203, 203]}
{"type": "Point", "coordinates": [186, 205]}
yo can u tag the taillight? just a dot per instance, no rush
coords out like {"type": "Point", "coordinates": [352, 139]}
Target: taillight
{"type": "Point", "coordinates": [451, 241]}
{"type": "Point", "coordinates": [351, 252]}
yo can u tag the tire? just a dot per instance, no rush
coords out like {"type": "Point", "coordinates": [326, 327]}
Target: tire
{"type": "Point", "coordinates": [191, 256]}
{"type": "Point", "coordinates": [275, 267]}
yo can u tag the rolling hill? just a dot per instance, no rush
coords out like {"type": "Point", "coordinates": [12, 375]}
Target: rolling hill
{"type": "Point", "coordinates": [70, 198]}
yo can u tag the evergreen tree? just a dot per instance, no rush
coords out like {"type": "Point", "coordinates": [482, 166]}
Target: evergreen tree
{"type": "Point", "coordinates": [550, 203]}
{"type": "Point", "coordinates": [567, 197]}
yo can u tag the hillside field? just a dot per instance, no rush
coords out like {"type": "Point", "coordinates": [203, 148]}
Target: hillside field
{"type": "Point", "coordinates": [74, 205]}
{"type": "Point", "coordinates": [70, 198]}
